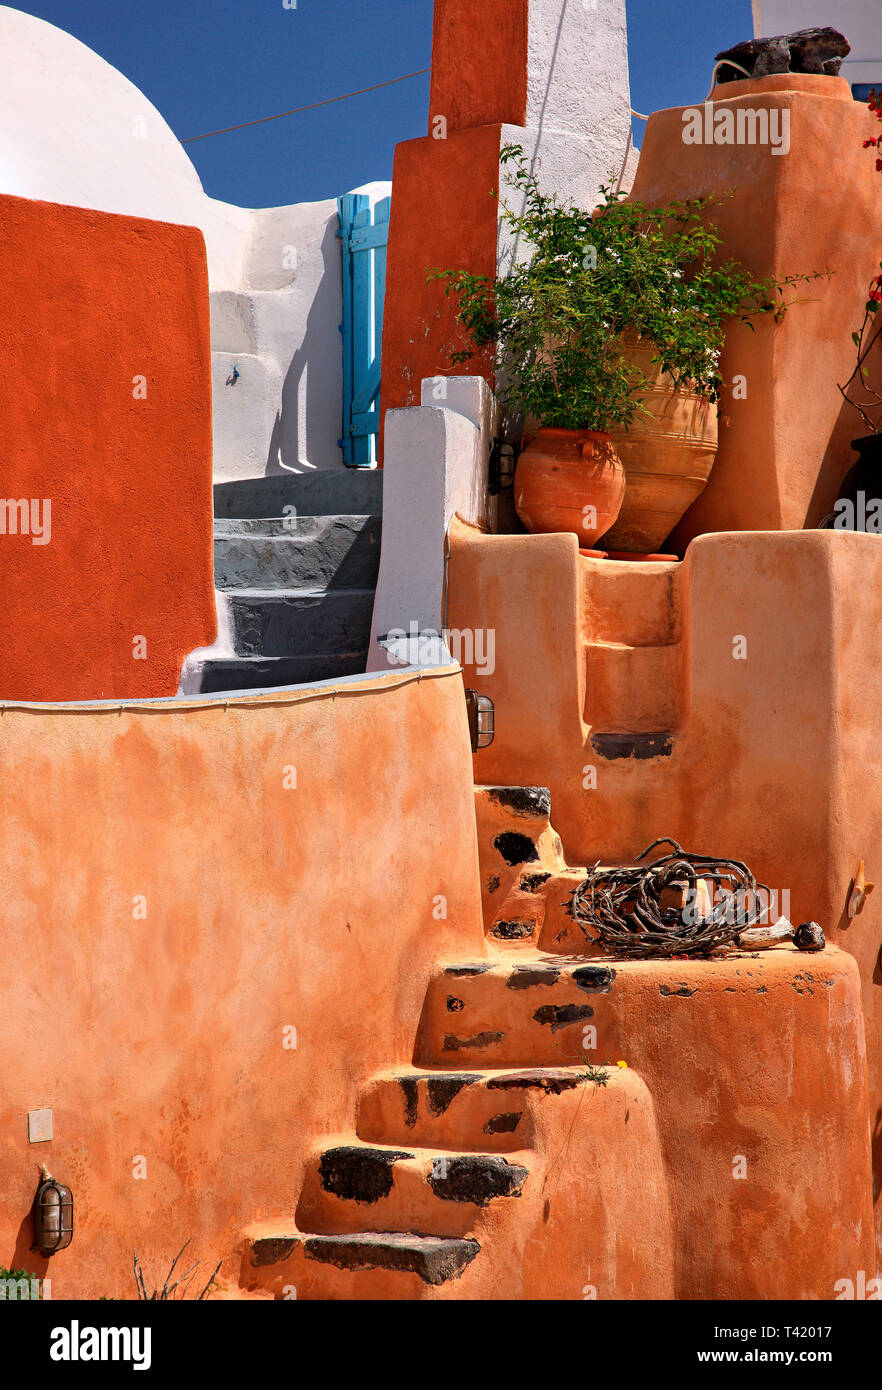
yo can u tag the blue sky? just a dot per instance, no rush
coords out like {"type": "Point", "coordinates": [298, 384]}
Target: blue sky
{"type": "Point", "coordinates": [207, 64]}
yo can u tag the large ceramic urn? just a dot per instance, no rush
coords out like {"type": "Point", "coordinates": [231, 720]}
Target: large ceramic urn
{"type": "Point", "coordinates": [569, 480]}
{"type": "Point", "coordinates": [668, 451]}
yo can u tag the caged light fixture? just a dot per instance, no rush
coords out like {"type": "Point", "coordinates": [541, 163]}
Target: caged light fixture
{"type": "Point", "coordinates": [482, 716]}
{"type": "Point", "coordinates": [53, 1215]}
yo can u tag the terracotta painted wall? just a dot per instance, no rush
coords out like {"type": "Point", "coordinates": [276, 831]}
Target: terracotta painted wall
{"type": "Point", "coordinates": [816, 207]}
{"type": "Point", "coordinates": [162, 1036]}
{"type": "Point", "coordinates": [773, 759]}
{"type": "Point", "coordinates": [91, 302]}
{"type": "Point", "coordinates": [479, 62]}
{"type": "Point", "coordinates": [444, 216]}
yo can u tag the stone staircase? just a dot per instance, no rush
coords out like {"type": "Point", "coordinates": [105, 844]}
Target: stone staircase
{"type": "Point", "coordinates": [296, 558]}
{"type": "Point", "coordinates": [450, 1185]}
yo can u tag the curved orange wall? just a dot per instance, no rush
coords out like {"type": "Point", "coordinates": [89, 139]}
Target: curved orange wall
{"type": "Point", "coordinates": [316, 907]}
{"type": "Point", "coordinates": [90, 302]}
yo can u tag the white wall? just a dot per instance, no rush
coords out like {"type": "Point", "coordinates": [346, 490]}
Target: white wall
{"type": "Point", "coordinates": [74, 130]}
{"type": "Point", "coordinates": [281, 330]}
{"type": "Point", "coordinates": [435, 467]}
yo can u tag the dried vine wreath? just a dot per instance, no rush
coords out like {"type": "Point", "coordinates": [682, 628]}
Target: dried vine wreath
{"type": "Point", "coordinates": [621, 908]}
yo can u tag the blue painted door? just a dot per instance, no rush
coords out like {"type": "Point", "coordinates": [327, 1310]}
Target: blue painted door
{"type": "Point", "coordinates": [364, 288]}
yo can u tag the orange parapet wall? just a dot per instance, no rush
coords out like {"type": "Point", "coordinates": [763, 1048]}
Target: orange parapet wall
{"type": "Point", "coordinates": [221, 918]}
{"type": "Point", "coordinates": [106, 508]}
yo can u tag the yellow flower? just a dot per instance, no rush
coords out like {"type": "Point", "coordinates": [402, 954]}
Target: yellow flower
{"type": "Point", "coordinates": [621, 1064]}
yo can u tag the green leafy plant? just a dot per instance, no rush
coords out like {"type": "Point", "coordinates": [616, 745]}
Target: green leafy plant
{"type": "Point", "coordinates": [857, 390]}
{"type": "Point", "coordinates": [598, 1075]}
{"type": "Point", "coordinates": [593, 282]}
{"type": "Point", "coordinates": [25, 1285]}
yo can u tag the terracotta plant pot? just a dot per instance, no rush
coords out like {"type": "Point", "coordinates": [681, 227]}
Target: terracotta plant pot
{"type": "Point", "coordinates": [668, 455]}
{"type": "Point", "coordinates": [569, 480]}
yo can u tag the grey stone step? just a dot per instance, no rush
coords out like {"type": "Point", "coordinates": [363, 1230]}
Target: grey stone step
{"type": "Point", "coordinates": [269, 622]}
{"type": "Point", "coordinates": [292, 527]}
{"type": "Point", "coordinates": [333, 492]}
{"type": "Point", "coordinates": [434, 1258]}
{"type": "Point", "coordinates": [270, 673]}
{"type": "Point", "coordinates": [342, 554]}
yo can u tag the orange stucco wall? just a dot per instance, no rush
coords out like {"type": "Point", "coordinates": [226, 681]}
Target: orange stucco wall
{"type": "Point", "coordinates": [756, 1069]}
{"type": "Point", "coordinates": [816, 207]}
{"type": "Point", "coordinates": [314, 907]}
{"type": "Point", "coordinates": [479, 62]}
{"type": "Point", "coordinates": [445, 204]}
{"type": "Point", "coordinates": [774, 759]}
{"type": "Point", "coordinates": [90, 303]}
{"type": "Point", "coordinates": [460, 177]}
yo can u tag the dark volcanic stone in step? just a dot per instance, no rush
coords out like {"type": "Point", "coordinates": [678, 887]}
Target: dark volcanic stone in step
{"type": "Point", "coordinates": [516, 848]}
{"type": "Point", "coordinates": [411, 1088]}
{"type": "Point", "coordinates": [512, 929]}
{"type": "Point", "coordinates": [434, 1258]}
{"type": "Point", "coordinates": [454, 1044]}
{"type": "Point", "coordinates": [506, 1123]}
{"type": "Point", "coordinates": [476, 1178]}
{"type": "Point", "coordinates": [557, 1016]}
{"type": "Point", "coordinates": [480, 968]}
{"type": "Point", "coordinates": [527, 976]}
{"type": "Point", "coordinates": [639, 746]}
{"type": "Point", "coordinates": [531, 883]}
{"type": "Point", "coordinates": [805, 50]}
{"type": "Point", "coordinates": [442, 1090]}
{"type": "Point", "coordinates": [272, 1250]}
{"type": "Point", "coordinates": [357, 1174]}
{"type": "Point", "coordinates": [533, 802]}
{"type": "Point", "coordinates": [594, 979]}
{"type": "Point", "coordinates": [552, 1083]}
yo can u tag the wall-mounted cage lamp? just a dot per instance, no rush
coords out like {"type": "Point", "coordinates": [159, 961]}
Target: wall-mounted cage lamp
{"type": "Point", "coordinates": [482, 716]}
{"type": "Point", "coordinates": [503, 458]}
{"type": "Point", "coordinates": [53, 1215]}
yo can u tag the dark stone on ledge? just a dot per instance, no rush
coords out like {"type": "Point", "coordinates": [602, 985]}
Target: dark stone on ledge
{"type": "Point", "coordinates": [557, 1016]}
{"type": "Point", "coordinates": [516, 848]}
{"type": "Point", "coordinates": [477, 1178]}
{"type": "Point", "coordinates": [512, 930]}
{"type": "Point", "coordinates": [359, 1174]}
{"type": "Point", "coordinates": [806, 50]}
{"type": "Point", "coordinates": [641, 746]}
{"type": "Point", "coordinates": [443, 1090]}
{"type": "Point", "coordinates": [534, 802]}
{"type": "Point", "coordinates": [434, 1258]}
{"type": "Point", "coordinates": [809, 936]}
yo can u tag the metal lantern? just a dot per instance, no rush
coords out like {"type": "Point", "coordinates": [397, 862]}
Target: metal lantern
{"type": "Point", "coordinates": [481, 719]}
{"type": "Point", "coordinates": [53, 1215]}
{"type": "Point", "coordinates": [501, 470]}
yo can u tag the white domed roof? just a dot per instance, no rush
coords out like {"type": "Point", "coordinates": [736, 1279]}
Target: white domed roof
{"type": "Point", "coordinates": [74, 130]}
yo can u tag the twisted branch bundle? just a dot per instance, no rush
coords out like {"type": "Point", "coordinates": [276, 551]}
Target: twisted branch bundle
{"type": "Point", "coordinates": [622, 908]}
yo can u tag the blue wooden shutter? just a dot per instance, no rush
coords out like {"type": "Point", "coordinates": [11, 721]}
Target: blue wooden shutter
{"type": "Point", "coordinates": [364, 289]}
